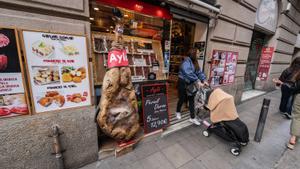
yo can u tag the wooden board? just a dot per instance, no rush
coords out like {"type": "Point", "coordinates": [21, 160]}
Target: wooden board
{"type": "Point", "coordinates": [99, 61]}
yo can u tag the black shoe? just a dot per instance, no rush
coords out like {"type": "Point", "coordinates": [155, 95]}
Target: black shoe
{"type": "Point", "coordinates": [287, 115]}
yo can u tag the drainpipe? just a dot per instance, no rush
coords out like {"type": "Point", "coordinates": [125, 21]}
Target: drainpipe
{"type": "Point", "coordinates": [205, 5]}
{"type": "Point", "coordinates": [57, 146]}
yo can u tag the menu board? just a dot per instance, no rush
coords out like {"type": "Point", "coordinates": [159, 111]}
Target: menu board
{"type": "Point", "coordinates": [265, 63]}
{"type": "Point", "coordinates": [223, 67]}
{"type": "Point", "coordinates": [155, 107]}
{"type": "Point", "coordinates": [12, 97]}
{"type": "Point", "coordinates": [58, 70]}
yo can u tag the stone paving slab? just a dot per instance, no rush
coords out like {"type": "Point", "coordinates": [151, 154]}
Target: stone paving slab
{"type": "Point", "coordinates": [189, 149]}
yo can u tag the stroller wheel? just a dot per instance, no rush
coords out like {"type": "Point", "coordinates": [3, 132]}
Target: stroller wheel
{"type": "Point", "coordinates": [205, 133]}
{"type": "Point", "coordinates": [244, 144]}
{"type": "Point", "coordinates": [235, 151]}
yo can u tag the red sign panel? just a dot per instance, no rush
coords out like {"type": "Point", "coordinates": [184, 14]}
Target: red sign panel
{"type": "Point", "coordinates": [264, 63]}
{"type": "Point", "coordinates": [117, 58]}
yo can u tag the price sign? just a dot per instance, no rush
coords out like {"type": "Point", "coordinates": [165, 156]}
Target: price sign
{"type": "Point", "coordinates": [155, 107]}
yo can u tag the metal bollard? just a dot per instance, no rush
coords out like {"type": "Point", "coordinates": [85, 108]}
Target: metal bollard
{"type": "Point", "coordinates": [57, 146]}
{"type": "Point", "coordinates": [262, 120]}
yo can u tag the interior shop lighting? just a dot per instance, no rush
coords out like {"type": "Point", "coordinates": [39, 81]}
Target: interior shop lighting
{"type": "Point", "coordinates": [96, 9]}
{"type": "Point", "coordinates": [92, 19]}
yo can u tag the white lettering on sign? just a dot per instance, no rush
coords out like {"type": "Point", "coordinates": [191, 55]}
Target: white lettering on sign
{"type": "Point", "coordinates": [149, 102]}
{"type": "Point", "coordinates": [113, 58]}
{"type": "Point", "coordinates": [117, 58]}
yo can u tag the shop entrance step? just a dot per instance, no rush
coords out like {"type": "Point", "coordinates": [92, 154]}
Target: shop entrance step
{"type": "Point", "coordinates": [184, 116]}
{"type": "Point", "coordinates": [176, 127]}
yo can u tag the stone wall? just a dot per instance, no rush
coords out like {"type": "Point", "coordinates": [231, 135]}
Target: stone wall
{"type": "Point", "coordinates": [25, 143]}
{"type": "Point", "coordinates": [233, 32]}
{"type": "Point", "coordinates": [24, 140]}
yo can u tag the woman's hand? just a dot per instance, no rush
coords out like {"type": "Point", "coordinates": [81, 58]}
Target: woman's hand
{"type": "Point", "coordinates": [200, 84]}
{"type": "Point", "coordinates": [277, 81]}
{"type": "Point", "coordinates": [206, 83]}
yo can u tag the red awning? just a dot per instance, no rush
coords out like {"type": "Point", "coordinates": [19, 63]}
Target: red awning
{"type": "Point", "coordinates": [141, 7]}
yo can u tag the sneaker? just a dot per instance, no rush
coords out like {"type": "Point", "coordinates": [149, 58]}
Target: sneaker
{"type": "Point", "coordinates": [178, 115]}
{"type": "Point", "coordinates": [287, 115]}
{"type": "Point", "coordinates": [195, 121]}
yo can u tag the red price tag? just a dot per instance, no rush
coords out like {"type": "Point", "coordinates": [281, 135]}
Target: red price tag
{"type": "Point", "coordinates": [117, 58]}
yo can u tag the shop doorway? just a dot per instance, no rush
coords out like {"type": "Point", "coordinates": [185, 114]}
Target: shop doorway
{"type": "Point", "coordinates": [185, 34]}
{"type": "Point", "coordinates": [257, 43]}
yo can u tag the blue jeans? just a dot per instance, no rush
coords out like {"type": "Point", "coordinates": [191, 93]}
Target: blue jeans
{"type": "Point", "coordinates": [286, 102]}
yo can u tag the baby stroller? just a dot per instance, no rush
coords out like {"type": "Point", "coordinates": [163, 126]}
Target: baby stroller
{"type": "Point", "coordinates": [224, 120]}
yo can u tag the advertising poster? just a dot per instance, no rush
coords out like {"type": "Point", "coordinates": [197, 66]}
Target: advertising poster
{"type": "Point", "coordinates": [12, 94]}
{"type": "Point", "coordinates": [167, 56]}
{"type": "Point", "coordinates": [58, 70]}
{"type": "Point", "coordinates": [223, 67]}
{"type": "Point", "coordinates": [201, 47]}
{"type": "Point", "coordinates": [264, 63]}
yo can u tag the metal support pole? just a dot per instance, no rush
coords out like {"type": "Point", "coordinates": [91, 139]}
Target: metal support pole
{"type": "Point", "coordinates": [57, 147]}
{"type": "Point", "coordinates": [262, 120]}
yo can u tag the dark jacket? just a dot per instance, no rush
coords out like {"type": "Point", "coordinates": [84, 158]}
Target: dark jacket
{"type": "Point", "coordinates": [295, 88]}
{"type": "Point", "coordinates": [287, 75]}
{"type": "Point", "coordinates": [188, 73]}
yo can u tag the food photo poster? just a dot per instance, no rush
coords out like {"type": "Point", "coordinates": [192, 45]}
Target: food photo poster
{"type": "Point", "coordinates": [12, 93]}
{"type": "Point", "coordinates": [223, 67]}
{"type": "Point", "coordinates": [57, 65]}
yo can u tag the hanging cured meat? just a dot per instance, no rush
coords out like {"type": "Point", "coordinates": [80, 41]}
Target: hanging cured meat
{"type": "Point", "coordinates": [3, 62]}
{"type": "Point", "coordinates": [118, 116]}
{"type": "Point", "coordinates": [4, 41]}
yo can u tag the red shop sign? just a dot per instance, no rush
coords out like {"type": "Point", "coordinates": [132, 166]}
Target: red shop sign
{"type": "Point", "coordinates": [265, 63]}
{"type": "Point", "coordinates": [117, 58]}
{"type": "Point", "coordinates": [141, 7]}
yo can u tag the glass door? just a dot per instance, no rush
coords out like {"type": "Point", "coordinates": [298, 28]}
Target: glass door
{"type": "Point", "coordinates": [257, 42]}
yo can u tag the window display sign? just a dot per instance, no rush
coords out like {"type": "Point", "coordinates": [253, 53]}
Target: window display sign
{"type": "Point", "coordinates": [223, 67]}
{"type": "Point", "coordinates": [12, 97]}
{"type": "Point", "coordinates": [155, 107]}
{"type": "Point", "coordinates": [58, 70]}
{"type": "Point", "coordinates": [264, 63]}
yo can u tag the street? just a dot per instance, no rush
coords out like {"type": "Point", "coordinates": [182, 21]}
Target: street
{"type": "Point", "coordinates": [189, 149]}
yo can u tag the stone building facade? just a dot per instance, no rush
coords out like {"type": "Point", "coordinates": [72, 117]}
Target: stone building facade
{"type": "Point", "coordinates": [235, 27]}
{"type": "Point", "coordinates": [24, 140]}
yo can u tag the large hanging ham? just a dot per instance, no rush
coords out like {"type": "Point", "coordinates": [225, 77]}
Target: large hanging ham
{"type": "Point", "coordinates": [118, 116]}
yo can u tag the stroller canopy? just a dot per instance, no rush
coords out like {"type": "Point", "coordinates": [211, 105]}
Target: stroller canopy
{"type": "Point", "coordinates": [221, 106]}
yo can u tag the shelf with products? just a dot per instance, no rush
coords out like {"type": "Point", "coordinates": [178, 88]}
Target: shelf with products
{"type": "Point", "coordinates": [144, 56]}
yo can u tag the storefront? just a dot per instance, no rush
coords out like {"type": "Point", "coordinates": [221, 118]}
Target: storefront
{"type": "Point", "coordinates": [156, 41]}
{"type": "Point", "coordinates": [146, 40]}
{"type": "Point", "coordinates": [189, 30]}
{"type": "Point", "coordinates": [53, 59]}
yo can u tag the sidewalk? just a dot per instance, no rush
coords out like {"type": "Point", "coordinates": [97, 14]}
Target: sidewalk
{"type": "Point", "coordinates": [188, 149]}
